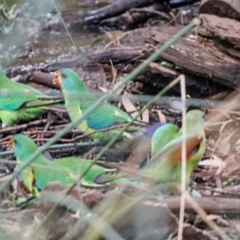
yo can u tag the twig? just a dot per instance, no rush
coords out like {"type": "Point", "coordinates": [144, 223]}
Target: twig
{"type": "Point", "coordinates": [212, 205]}
{"type": "Point", "coordinates": [23, 126]}
{"type": "Point", "coordinates": [66, 145]}
{"type": "Point", "coordinates": [183, 162]}
{"type": "Point", "coordinates": [205, 218]}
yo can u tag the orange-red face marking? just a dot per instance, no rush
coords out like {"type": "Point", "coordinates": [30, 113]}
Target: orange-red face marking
{"type": "Point", "coordinates": [11, 143]}
{"type": "Point", "coordinates": [56, 79]}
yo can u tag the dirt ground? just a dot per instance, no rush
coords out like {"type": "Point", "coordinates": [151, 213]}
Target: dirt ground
{"type": "Point", "coordinates": [110, 41]}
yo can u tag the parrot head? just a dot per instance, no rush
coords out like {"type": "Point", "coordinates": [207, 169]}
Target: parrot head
{"type": "Point", "coordinates": [69, 80]}
{"type": "Point", "coordinates": [195, 117]}
{"type": "Point", "coordinates": [23, 147]}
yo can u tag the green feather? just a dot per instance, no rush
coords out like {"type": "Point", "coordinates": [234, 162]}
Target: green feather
{"type": "Point", "coordinates": [162, 136]}
{"type": "Point", "coordinates": [79, 165]}
{"type": "Point", "coordinates": [22, 102]}
{"type": "Point", "coordinates": [104, 117]}
{"type": "Point", "coordinates": [65, 170]}
{"type": "Point", "coordinates": [166, 166]}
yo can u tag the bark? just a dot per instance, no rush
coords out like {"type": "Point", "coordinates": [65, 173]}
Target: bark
{"type": "Point", "coordinates": [209, 64]}
{"type": "Point", "coordinates": [116, 8]}
{"type": "Point", "coordinates": [222, 8]}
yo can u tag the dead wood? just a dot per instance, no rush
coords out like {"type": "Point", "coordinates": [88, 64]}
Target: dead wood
{"type": "Point", "coordinates": [44, 79]}
{"type": "Point", "coordinates": [119, 55]}
{"type": "Point", "coordinates": [125, 14]}
{"type": "Point", "coordinates": [190, 54]}
{"type": "Point", "coordinates": [147, 219]}
{"type": "Point", "coordinates": [202, 58]}
{"type": "Point", "coordinates": [212, 27]}
{"type": "Point", "coordinates": [135, 16]}
{"type": "Point", "coordinates": [209, 64]}
{"type": "Point", "coordinates": [116, 8]}
{"type": "Point", "coordinates": [212, 205]}
{"type": "Point", "coordinates": [207, 61]}
{"type": "Point", "coordinates": [226, 38]}
{"type": "Point", "coordinates": [221, 8]}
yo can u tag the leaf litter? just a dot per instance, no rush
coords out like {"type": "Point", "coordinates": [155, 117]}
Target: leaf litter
{"type": "Point", "coordinates": [223, 164]}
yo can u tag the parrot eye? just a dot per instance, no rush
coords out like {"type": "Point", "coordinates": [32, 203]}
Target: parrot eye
{"type": "Point", "coordinates": [15, 141]}
{"type": "Point", "coordinates": [63, 75]}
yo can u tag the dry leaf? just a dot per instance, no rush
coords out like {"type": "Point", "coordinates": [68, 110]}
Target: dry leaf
{"type": "Point", "coordinates": [235, 223]}
{"type": "Point", "coordinates": [213, 217]}
{"type": "Point", "coordinates": [232, 164]}
{"type": "Point", "coordinates": [128, 105]}
{"type": "Point", "coordinates": [114, 72]}
{"type": "Point", "coordinates": [227, 167]}
{"type": "Point", "coordinates": [103, 89]}
{"type": "Point", "coordinates": [224, 124]}
{"type": "Point", "coordinates": [215, 162]}
{"type": "Point", "coordinates": [145, 116]}
{"type": "Point", "coordinates": [161, 116]}
{"type": "Point", "coordinates": [119, 91]}
{"type": "Point", "coordinates": [224, 146]}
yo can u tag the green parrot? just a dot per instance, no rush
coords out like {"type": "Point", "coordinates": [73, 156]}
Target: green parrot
{"type": "Point", "coordinates": [165, 165]}
{"type": "Point", "coordinates": [25, 103]}
{"type": "Point", "coordinates": [104, 117]}
{"type": "Point", "coordinates": [165, 143]}
{"type": "Point", "coordinates": [65, 170]}
{"type": "Point", "coordinates": [166, 148]}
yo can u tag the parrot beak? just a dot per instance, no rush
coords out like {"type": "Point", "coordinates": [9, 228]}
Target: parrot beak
{"type": "Point", "coordinates": [57, 77]}
{"type": "Point", "coordinates": [11, 143]}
